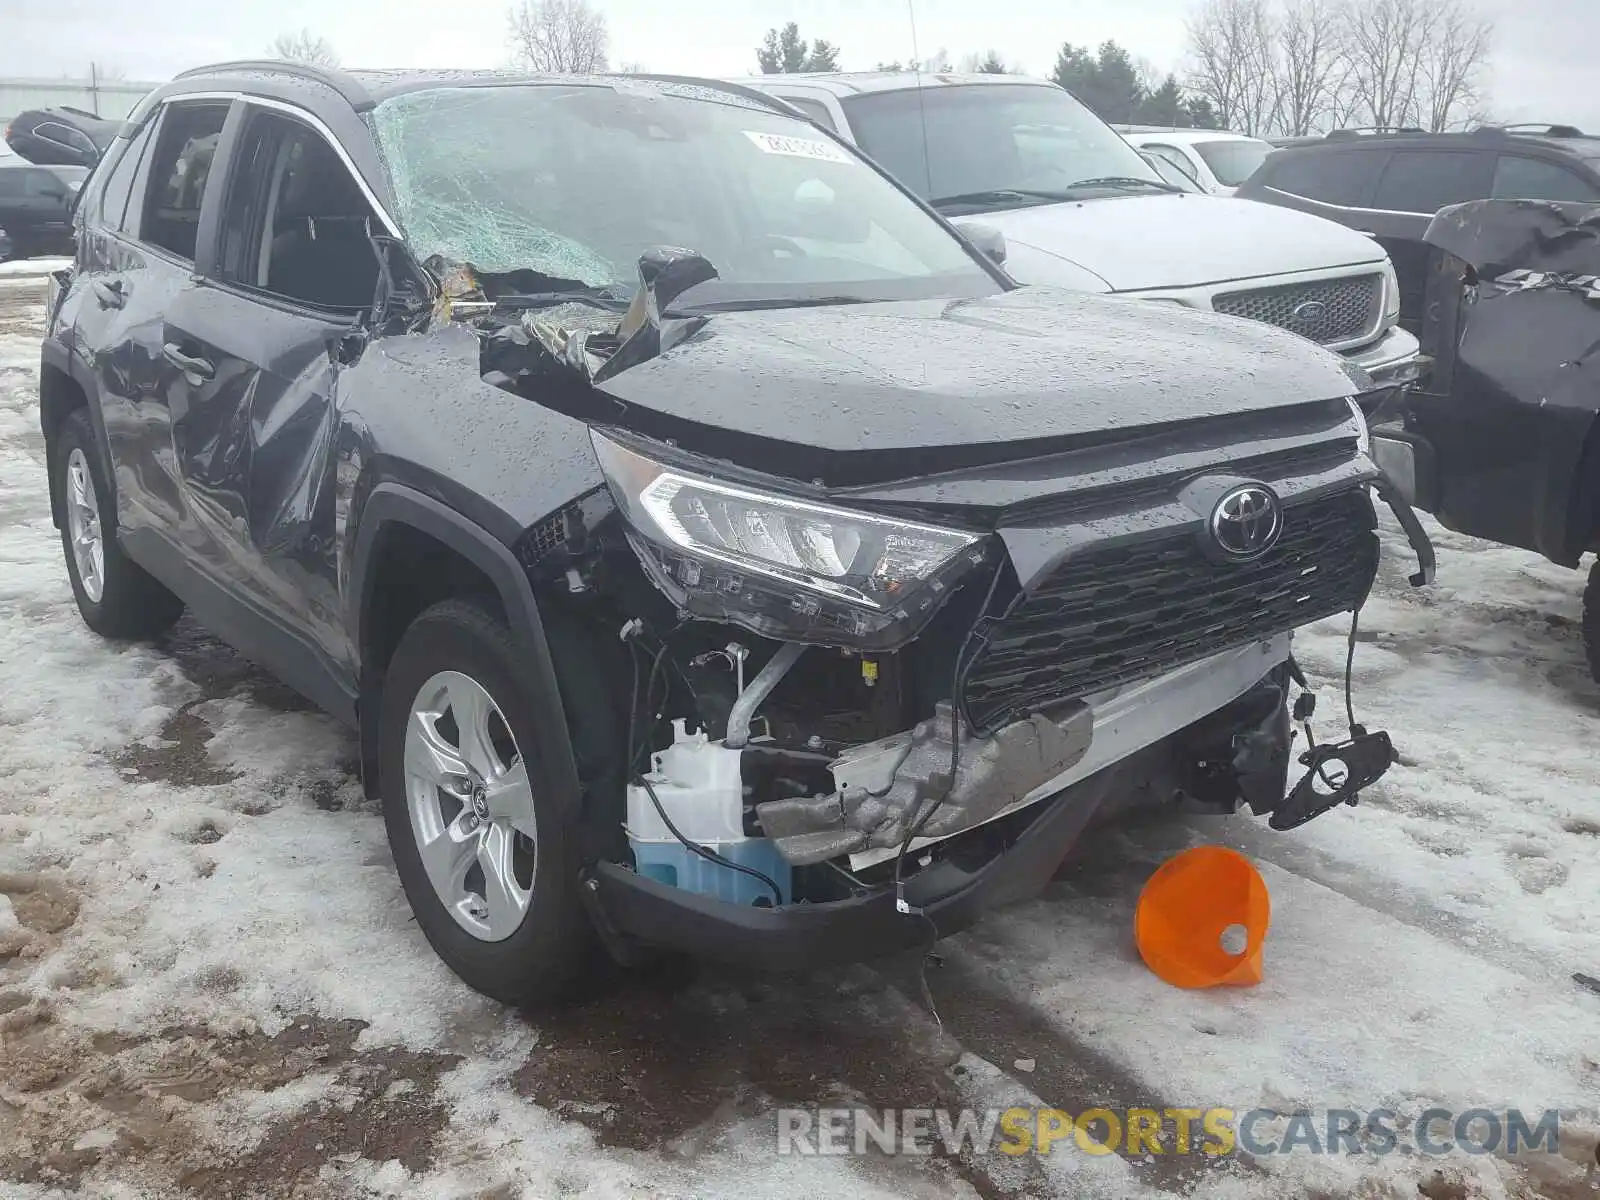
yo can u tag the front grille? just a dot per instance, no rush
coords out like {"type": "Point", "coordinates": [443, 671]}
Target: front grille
{"type": "Point", "coordinates": [1118, 614]}
{"type": "Point", "coordinates": [1329, 310]}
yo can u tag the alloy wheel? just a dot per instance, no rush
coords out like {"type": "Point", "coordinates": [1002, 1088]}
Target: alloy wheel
{"type": "Point", "coordinates": [83, 526]}
{"type": "Point", "coordinates": [471, 805]}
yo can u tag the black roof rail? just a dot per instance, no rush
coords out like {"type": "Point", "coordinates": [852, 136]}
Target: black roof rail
{"type": "Point", "coordinates": [345, 84]}
{"type": "Point", "coordinates": [1355, 131]}
{"type": "Point", "coordinates": [1537, 128]}
{"type": "Point", "coordinates": [765, 99]}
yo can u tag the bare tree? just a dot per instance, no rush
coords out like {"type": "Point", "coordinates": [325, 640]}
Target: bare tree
{"type": "Point", "coordinates": [306, 47]}
{"type": "Point", "coordinates": [1386, 39]}
{"type": "Point", "coordinates": [1455, 63]}
{"type": "Point", "coordinates": [1313, 65]}
{"type": "Point", "coordinates": [1231, 43]}
{"type": "Point", "coordinates": [564, 37]}
{"type": "Point", "coordinates": [1298, 66]}
{"type": "Point", "coordinates": [987, 63]}
{"type": "Point", "coordinates": [1418, 62]}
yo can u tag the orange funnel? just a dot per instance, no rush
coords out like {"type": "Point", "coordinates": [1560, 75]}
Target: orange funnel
{"type": "Point", "coordinates": [1202, 919]}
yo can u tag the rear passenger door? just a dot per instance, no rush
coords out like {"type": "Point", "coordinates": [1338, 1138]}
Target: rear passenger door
{"type": "Point", "coordinates": [1414, 186]}
{"type": "Point", "coordinates": [294, 269]}
{"type": "Point", "coordinates": [136, 261]}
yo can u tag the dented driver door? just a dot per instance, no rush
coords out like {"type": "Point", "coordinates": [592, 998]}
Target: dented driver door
{"type": "Point", "coordinates": [255, 449]}
{"type": "Point", "coordinates": [260, 348]}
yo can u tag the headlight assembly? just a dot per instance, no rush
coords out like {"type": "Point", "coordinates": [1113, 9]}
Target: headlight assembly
{"type": "Point", "coordinates": [782, 566]}
{"type": "Point", "coordinates": [1363, 432]}
{"type": "Point", "coordinates": [1391, 296]}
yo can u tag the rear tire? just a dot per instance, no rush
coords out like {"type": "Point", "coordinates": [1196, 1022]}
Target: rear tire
{"type": "Point", "coordinates": [1591, 620]}
{"type": "Point", "coordinates": [497, 897]}
{"type": "Point", "coordinates": [116, 596]}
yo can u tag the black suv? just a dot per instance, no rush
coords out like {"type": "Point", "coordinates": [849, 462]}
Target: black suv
{"type": "Point", "coordinates": [788, 598]}
{"type": "Point", "coordinates": [1391, 183]}
{"type": "Point", "coordinates": [36, 207]}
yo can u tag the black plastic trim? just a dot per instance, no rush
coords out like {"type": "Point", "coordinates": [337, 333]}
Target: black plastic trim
{"type": "Point", "coordinates": [395, 504]}
{"type": "Point", "coordinates": [252, 632]}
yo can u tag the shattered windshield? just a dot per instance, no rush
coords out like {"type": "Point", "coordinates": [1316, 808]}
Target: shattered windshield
{"type": "Point", "coordinates": [576, 181]}
{"type": "Point", "coordinates": [976, 147]}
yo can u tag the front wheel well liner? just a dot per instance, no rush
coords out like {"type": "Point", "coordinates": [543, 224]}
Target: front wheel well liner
{"type": "Point", "coordinates": [431, 551]}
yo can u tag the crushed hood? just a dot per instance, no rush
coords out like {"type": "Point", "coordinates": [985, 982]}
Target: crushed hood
{"type": "Point", "coordinates": [1140, 243]}
{"type": "Point", "coordinates": [854, 393]}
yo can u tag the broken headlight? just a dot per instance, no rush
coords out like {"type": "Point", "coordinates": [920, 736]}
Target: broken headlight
{"type": "Point", "coordinates": [781, 566]}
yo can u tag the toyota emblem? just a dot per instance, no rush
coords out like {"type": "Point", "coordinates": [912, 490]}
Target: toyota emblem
{"type": "Point", "coordinates": [1247, 521]}
{"type": "Point", "coordinates": [1310, 314]}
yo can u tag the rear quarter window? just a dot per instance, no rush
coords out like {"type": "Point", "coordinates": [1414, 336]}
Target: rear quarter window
{"type": "Point", "coordinates": [1424, 181]}
{"type": "Point", "coordinates": [1343, 177]}
{"type": "Point", "coordinates": [1517, 177]}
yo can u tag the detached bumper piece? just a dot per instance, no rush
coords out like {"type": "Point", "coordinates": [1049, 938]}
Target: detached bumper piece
{"type": "Point", "coordinates": [1335, 774]}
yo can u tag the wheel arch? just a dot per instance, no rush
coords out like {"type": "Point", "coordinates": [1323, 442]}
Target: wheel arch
{"type": "Point", "coordinates": [61, 393]}
{"type": "Point", "coordinates": [397, 522]}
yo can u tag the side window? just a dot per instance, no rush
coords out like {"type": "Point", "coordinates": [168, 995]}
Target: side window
{"type": "Point", "coordinates": [45, 186]}
{"type": "Point", "coordinates": [178, 173]}
{"type": "Point", "coordinates": [1424, 181]}
{"type": "Point", "coordinates": [1519, 178]}
{"type": "Point", "coordinates": [12, 184]}
{"type": "Point", "coordinates": [119, 183]}
{"type": "Point", "coordinates": [1174, 156]}
{"type": "Point", "coordinates": [815, 109]}
{"type": "Point", "coordinates": [64, 136]}
{"type": "Point", "coordinates": [295, 223]}
{"type": "Point", "coordinates": [1342, 177]}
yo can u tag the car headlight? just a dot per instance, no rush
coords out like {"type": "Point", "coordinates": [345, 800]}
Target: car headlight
{"type": "Point", "coordinates": [779, 565]}
{"type": "Point", "coordinates": [1363, 432]}
{"type": "Point", "coordinates": [1391, 296]}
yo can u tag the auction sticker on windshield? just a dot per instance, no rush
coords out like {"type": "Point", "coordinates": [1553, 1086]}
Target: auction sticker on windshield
{"type": "Point", "coordinates": [797, 147]}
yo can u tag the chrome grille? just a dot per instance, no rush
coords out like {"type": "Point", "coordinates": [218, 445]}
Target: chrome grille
{"type": "Point", "coordinates": [1328, 310]}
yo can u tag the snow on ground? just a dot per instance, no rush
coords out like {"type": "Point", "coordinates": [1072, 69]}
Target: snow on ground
{"type": "Point", "coordinates": [23, 268]}
{"type": "Point", "coordinates": [210, 983]}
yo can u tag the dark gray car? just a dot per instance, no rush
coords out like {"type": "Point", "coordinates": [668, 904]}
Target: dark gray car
{"type": "Point", "coordinates": [36, 207]}
{"type": "Point", "coordinates": [711, 548]}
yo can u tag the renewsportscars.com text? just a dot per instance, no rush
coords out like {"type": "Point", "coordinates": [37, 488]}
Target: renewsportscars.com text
{"type": "Point", "coordinates": [1213, 1132]}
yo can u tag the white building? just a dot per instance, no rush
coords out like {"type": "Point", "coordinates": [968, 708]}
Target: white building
{"type": "Point", "coordinates": [108, 98]}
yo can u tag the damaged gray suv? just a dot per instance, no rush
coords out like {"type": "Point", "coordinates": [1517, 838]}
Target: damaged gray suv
{"type": "Point", "coordinates": [713, 550]}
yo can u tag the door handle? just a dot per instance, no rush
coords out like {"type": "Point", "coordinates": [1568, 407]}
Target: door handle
{"type": "Point", "coordinates": [196, 370]}
{"type": "Point", "coordinates": [110, 293]}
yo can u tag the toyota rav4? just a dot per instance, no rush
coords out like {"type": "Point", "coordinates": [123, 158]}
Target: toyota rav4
{"type": "Point", "coordinates": [792, 595]}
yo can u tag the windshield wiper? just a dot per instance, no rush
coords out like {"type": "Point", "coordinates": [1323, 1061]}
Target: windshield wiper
{"type": "Point", "coordinates": [712, 306]}
{"type": "Point", "coordinates": [1123, 181]}
{"type": "Point", "coordinates": [1001, 196]}
{"type": "Point", "coordinates": [601, 297]}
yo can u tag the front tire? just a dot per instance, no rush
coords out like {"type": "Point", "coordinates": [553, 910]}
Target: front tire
{"type": "Point", "coordinates": [116, 596]}
{"type": "Point", "coordinates": [488, 863]}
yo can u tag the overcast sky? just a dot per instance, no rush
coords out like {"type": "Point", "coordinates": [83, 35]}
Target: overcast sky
{"type": "Point", "coordinates": [1544, 65]}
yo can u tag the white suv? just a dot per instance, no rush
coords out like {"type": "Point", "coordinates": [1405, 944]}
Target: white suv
{"type": "Point", "coordinates": [1216, 160]}
{"type": "Point", "coordinates": [1079, 207]}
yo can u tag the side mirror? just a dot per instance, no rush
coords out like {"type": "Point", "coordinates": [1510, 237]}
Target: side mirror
{"type": "Point", "coordinates": [991, 243]}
